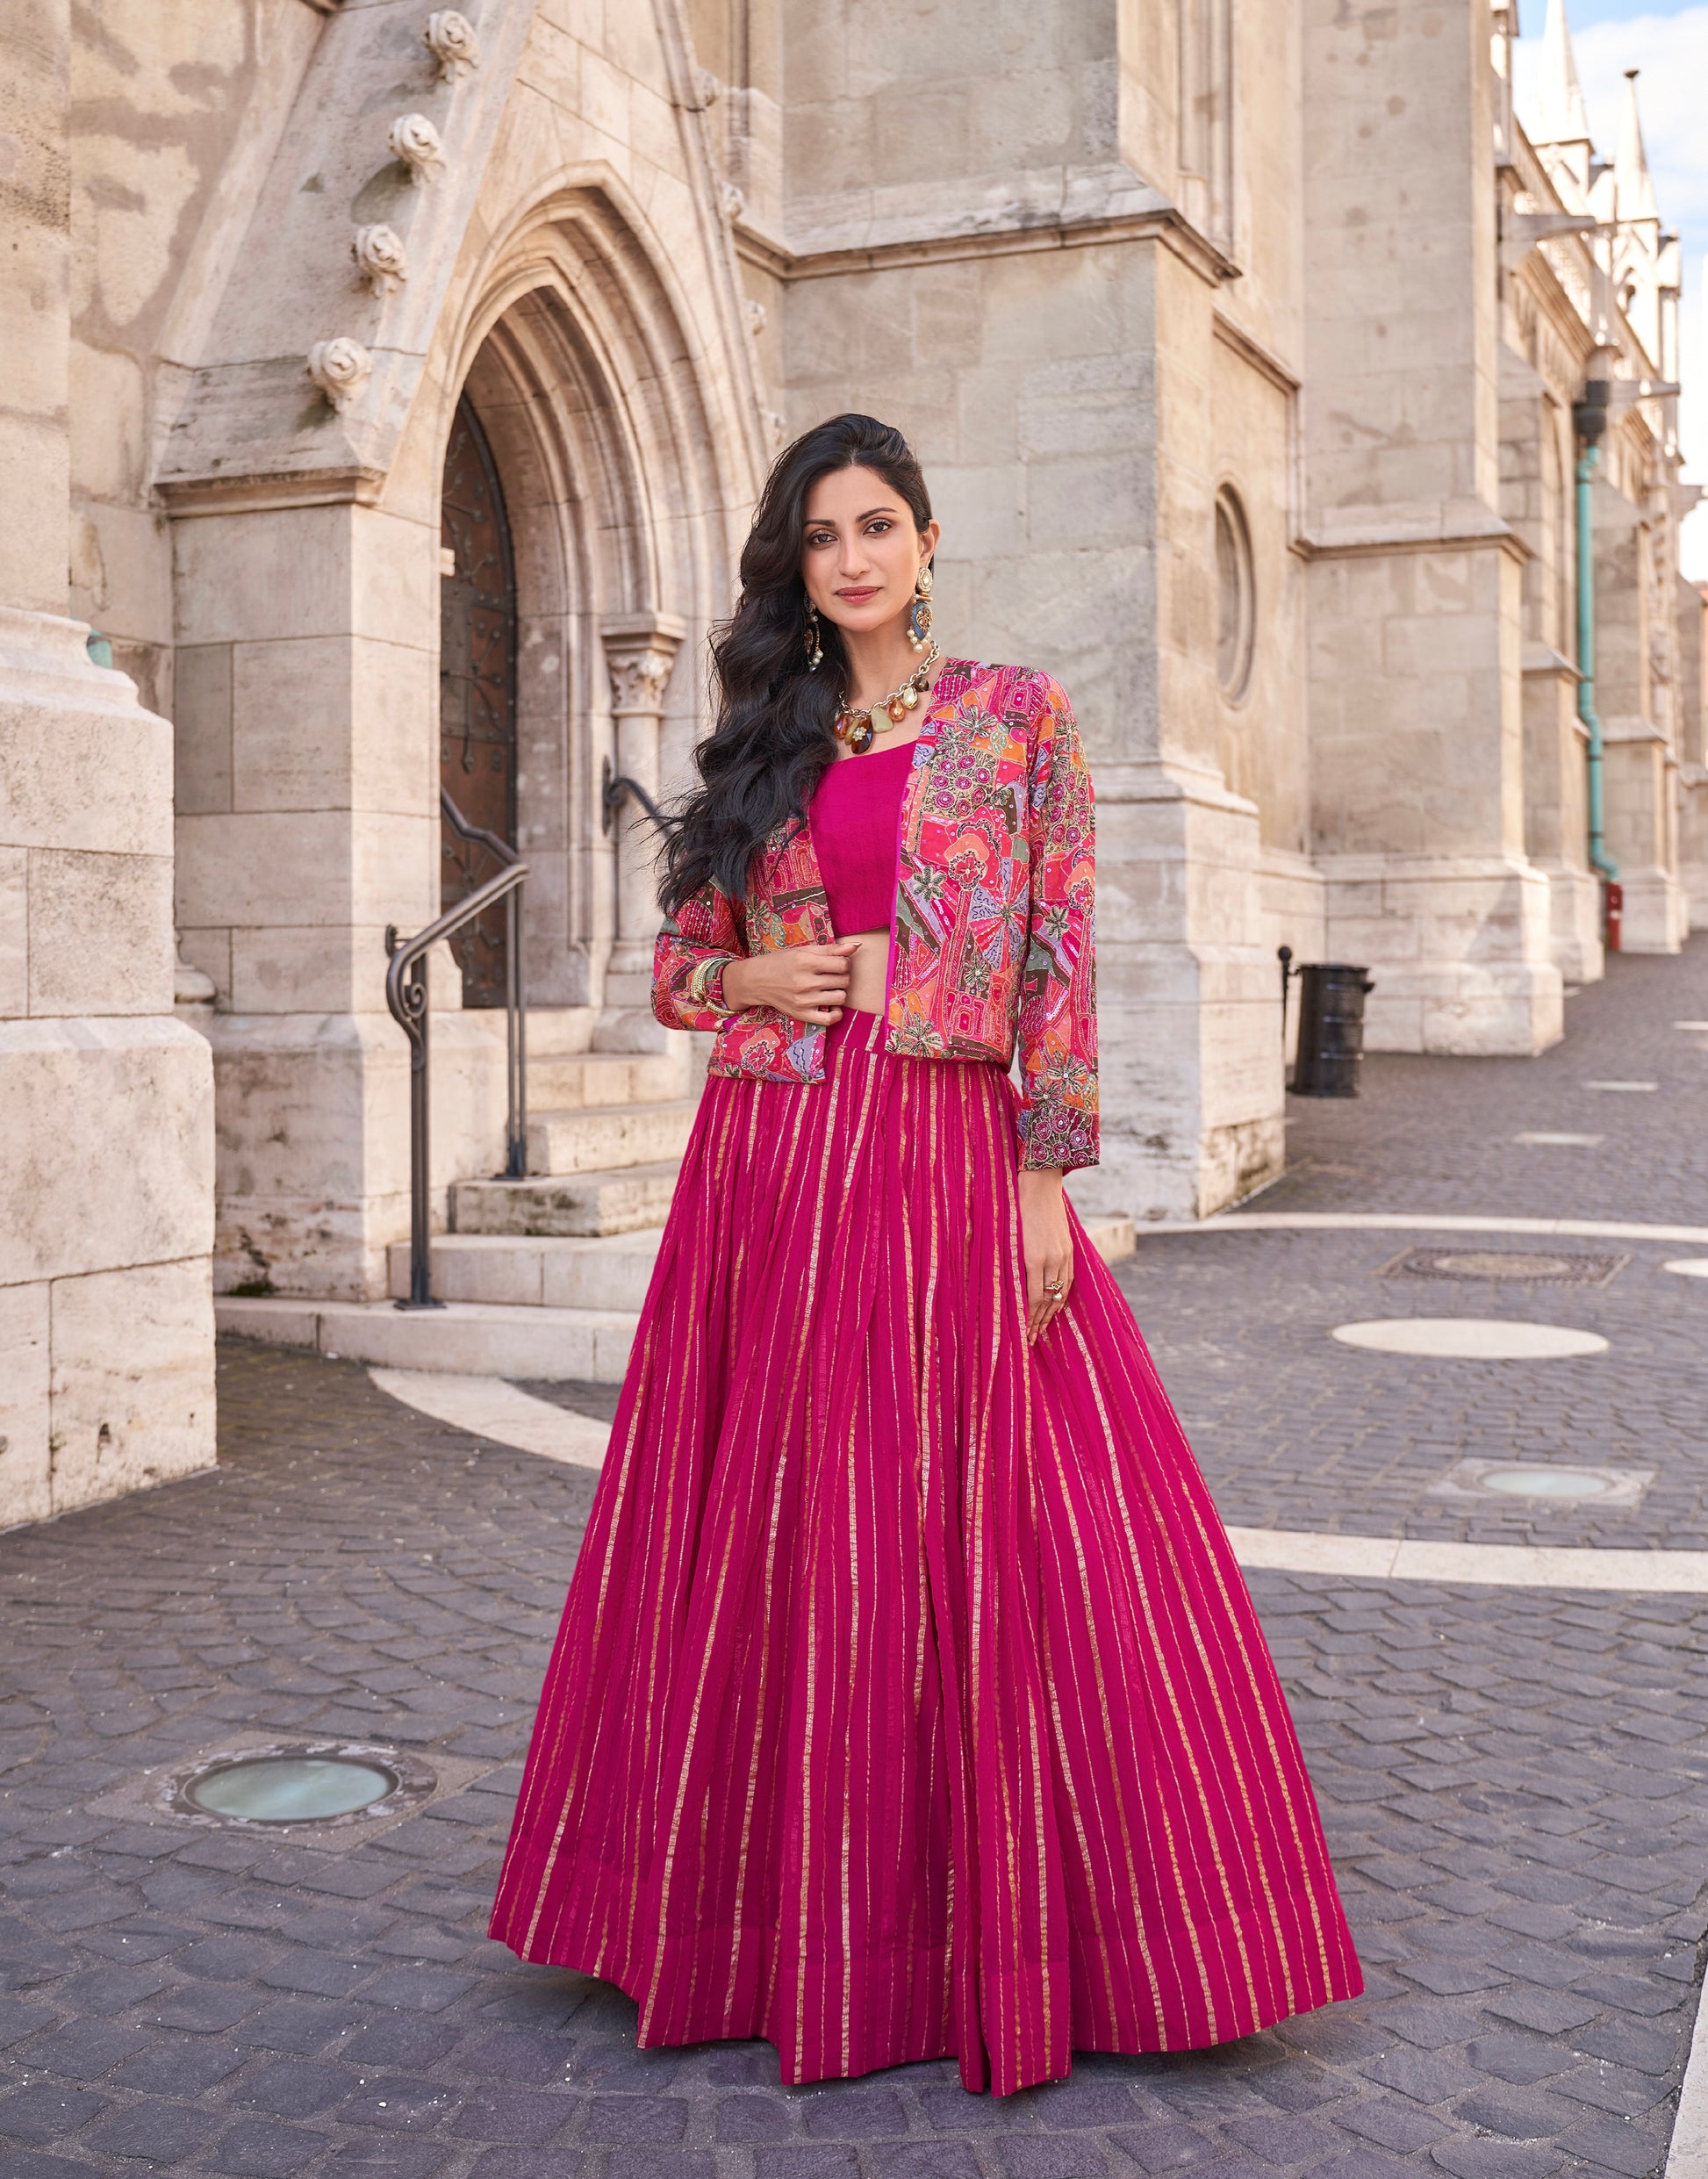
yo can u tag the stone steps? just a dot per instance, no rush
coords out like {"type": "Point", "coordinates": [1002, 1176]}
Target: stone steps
{"type": "Point", "coordinates": [560, 1081]}
{"type": "Point", "coordinates": [611, 1272]}
{"type": "Point", "coordinates": [535, 1271]}
{"type": "Point", "coordinates": [614, 1200]}
{"type": "Point", "coordinates": [598, 1138]}
{"type": "Point", "coordinates": [465, 1338]}
{"type": "Point", "coordinates": [516, 1305]}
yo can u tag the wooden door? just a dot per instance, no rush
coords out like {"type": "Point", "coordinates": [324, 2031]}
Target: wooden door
{"type": "Point", "coordinates": [477, 693]}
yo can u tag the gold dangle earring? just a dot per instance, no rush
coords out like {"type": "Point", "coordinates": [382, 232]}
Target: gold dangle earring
{"type": "Point", "coordinates": [815, 647]}
{"type": "Point", "coordinates": [919, 620]}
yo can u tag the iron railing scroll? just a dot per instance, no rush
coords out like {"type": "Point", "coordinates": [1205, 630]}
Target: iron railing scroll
{"type": "Point", "coordinates": [406, 995]}
{"type": "Point", "coordinates": [614, 787]}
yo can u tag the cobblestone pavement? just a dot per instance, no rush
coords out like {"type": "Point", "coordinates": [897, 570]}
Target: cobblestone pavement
{"type": "Point", "coordinates": [1295, 1432]}
{"type": "Point", "coordinates": [1514, 1782]}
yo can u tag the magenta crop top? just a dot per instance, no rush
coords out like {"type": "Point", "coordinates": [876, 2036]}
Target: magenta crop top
{"type": "Point", "coordinates": [853, 816]}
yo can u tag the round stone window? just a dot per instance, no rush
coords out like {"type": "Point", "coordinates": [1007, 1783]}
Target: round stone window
{"type": "Point", "coordinates": [1235, 595]}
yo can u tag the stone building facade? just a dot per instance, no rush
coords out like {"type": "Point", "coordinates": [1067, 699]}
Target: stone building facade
{"type": "Point", "coordinates": [402, 378]}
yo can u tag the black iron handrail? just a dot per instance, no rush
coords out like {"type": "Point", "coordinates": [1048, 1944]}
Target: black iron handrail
{"type": "Point", "coordinates": [406, 995]}
{"type": "Point", "coordinates": [615, 785]}
{"type": "Point", "coordinates": [516, 999]}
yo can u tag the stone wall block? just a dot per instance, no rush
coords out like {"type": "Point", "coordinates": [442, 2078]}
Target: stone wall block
{"type": "Point", "coordinates": [14, 932]}
{"type": "Point", "coordinates": [26, 1421]}
{"type": "Point", "coordinates": [394, 576]}
{"type": "Point", "coordinates": [132, 595]}
{"type": "Point", "coordinates": [100, 933]}
{"type": "Point", "coordinates": [309, 968]}
{"type": "Point", "coordinates": [292, 723]}
{"type": "Point", "coordinates": [326, 1095]}
{"type": "Point", "coordinates": [131, 1412]}
{"type": "Point", "coordinates": [202, 727]}
{"type": "Point", "coordinates": [91, 772]}
{"type": "Point", "coordinates": [79, 1193]}
{"type": "Point", "coordinates": [264, 868]}
{"type": "Point", "coordinates": [32, 456]}
{"type": "Point", "coordinates": [394, 742]}
{"type": "Point", "coordinates": [248, 577]}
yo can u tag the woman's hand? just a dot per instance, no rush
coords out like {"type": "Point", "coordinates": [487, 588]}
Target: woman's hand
{"type": "Point", "coordinates": [1049, 1245]}
{"type": "Point", "coordinates": [806, 982]}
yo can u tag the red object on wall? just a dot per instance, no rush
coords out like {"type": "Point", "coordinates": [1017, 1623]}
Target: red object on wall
{"type": "Point", "coordinates": [1615, 899]}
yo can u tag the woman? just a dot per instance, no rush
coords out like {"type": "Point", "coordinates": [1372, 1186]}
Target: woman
{"type": "Point", "coordinates": [909, 1700]}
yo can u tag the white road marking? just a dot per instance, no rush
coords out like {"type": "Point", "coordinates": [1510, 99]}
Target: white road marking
{"type": "Point", "coordinates": [489, 1407]}
{"type": "Point", "coordinates": [1501, 1566]}
{"type": "Point", "coordinates": [1688, 2156]}
{"type": "Point", "coordinates": [1418, 1222]}
{"type": "Point", "coordinates": [1576, 1142]}
{"type": "Point", "coordinates": [1622, 1085]}
{"type": "Point", "coordinates": [1688, 1267]}
{"type": "Point", "coordinates": [1469, 1339]}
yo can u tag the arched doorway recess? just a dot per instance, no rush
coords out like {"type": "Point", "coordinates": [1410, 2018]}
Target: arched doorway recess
{"type": "Point", "coordinates": [585, 384]}
{"type": "Point", "coordinates": [477, 693]}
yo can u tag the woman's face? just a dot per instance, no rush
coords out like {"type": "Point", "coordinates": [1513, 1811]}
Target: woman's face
{"type": "Point", "coordinates": [860, 553]}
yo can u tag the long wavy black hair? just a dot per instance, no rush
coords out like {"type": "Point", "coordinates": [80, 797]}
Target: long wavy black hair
{"type": "Point", "coordinates": [773, 736]}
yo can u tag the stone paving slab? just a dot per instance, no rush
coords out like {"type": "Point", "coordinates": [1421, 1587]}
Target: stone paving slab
{"type": "Point", "coordinates": [1515, 1785]}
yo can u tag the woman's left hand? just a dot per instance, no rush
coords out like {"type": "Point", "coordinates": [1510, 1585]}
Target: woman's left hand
{"type": "Point", "coordinates": [1049, 1245]}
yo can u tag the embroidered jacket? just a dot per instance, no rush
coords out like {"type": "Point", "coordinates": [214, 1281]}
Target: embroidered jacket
{"type": "Point", "coordinates": [992, 926]}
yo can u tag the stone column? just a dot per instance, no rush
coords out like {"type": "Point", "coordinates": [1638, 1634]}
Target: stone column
{"type": "Point", "coordinates": [307, 822]}
{"type": "Point", "coordinates": [106, 1195]}
{"type": "Point", "coordinates": [639, 652]}
{"type": "Point", "coordinates": [1415, 657]}
{"type": "Point", "coordinates": [1639, 763]}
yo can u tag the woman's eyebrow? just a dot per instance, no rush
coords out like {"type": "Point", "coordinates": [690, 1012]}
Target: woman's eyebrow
{"type": "Point", "coordinates": [825, 521]}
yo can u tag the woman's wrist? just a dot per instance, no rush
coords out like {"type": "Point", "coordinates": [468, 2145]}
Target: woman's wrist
{"type": "Point", "coordinates": [726, 985]}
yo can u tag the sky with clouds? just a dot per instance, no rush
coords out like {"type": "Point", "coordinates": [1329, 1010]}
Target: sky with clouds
{"type": "Point", "coordinates": [1670, 47]}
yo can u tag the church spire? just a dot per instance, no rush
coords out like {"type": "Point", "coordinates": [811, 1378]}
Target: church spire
{"type": "Point", "coordinates": [1560, 118]}
{"type": "Point", "coordinates": [1633, 187]}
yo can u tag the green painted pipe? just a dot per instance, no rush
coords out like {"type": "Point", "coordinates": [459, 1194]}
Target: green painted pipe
{"type": "Point", "coordinates": [1600, 861]}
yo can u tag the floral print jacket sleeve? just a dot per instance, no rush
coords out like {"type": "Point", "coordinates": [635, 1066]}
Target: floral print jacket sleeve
{"type": "Point", "coordinates": [705, 934]}
{"type": "Point", "coordinates": [1058, 1020]}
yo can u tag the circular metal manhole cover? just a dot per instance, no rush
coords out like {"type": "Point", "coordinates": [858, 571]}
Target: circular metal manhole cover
{"type": "Point", "coordinates": [1555, 1483]}
{"type": "Point", "coordinates": [1502, 1264]}
{"type": "Point", "coordinates": [289, 1788]}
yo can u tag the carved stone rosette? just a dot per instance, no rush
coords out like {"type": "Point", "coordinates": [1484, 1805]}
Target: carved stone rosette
{"type": "Point", "coordinates": [414, 139]}
{"type": "Point", "coordinates": [450, 39]}
{"type": "Point", "coordinates": [378, 252]}
{"type": "Point", "coordinates": [340, 368]}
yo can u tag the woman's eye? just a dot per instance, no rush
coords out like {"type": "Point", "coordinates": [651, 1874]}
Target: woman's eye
{"type": "Point", "coordinates": [878, 530]}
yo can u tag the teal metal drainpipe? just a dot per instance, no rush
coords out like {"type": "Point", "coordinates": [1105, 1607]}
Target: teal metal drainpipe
{"type": "Point", "coordinates": [1589, 418]}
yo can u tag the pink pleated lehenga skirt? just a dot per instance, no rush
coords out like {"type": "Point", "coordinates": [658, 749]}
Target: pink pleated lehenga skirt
{"type": "Point", "coordinates": [909, 1701]}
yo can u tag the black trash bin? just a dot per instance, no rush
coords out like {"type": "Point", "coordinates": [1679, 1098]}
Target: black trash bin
{"type": "Point", "coordinates": [1331, 1029]}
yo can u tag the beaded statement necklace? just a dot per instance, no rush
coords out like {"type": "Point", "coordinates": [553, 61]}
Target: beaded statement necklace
{"type": "Point", "coordinates": [857, 729]}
